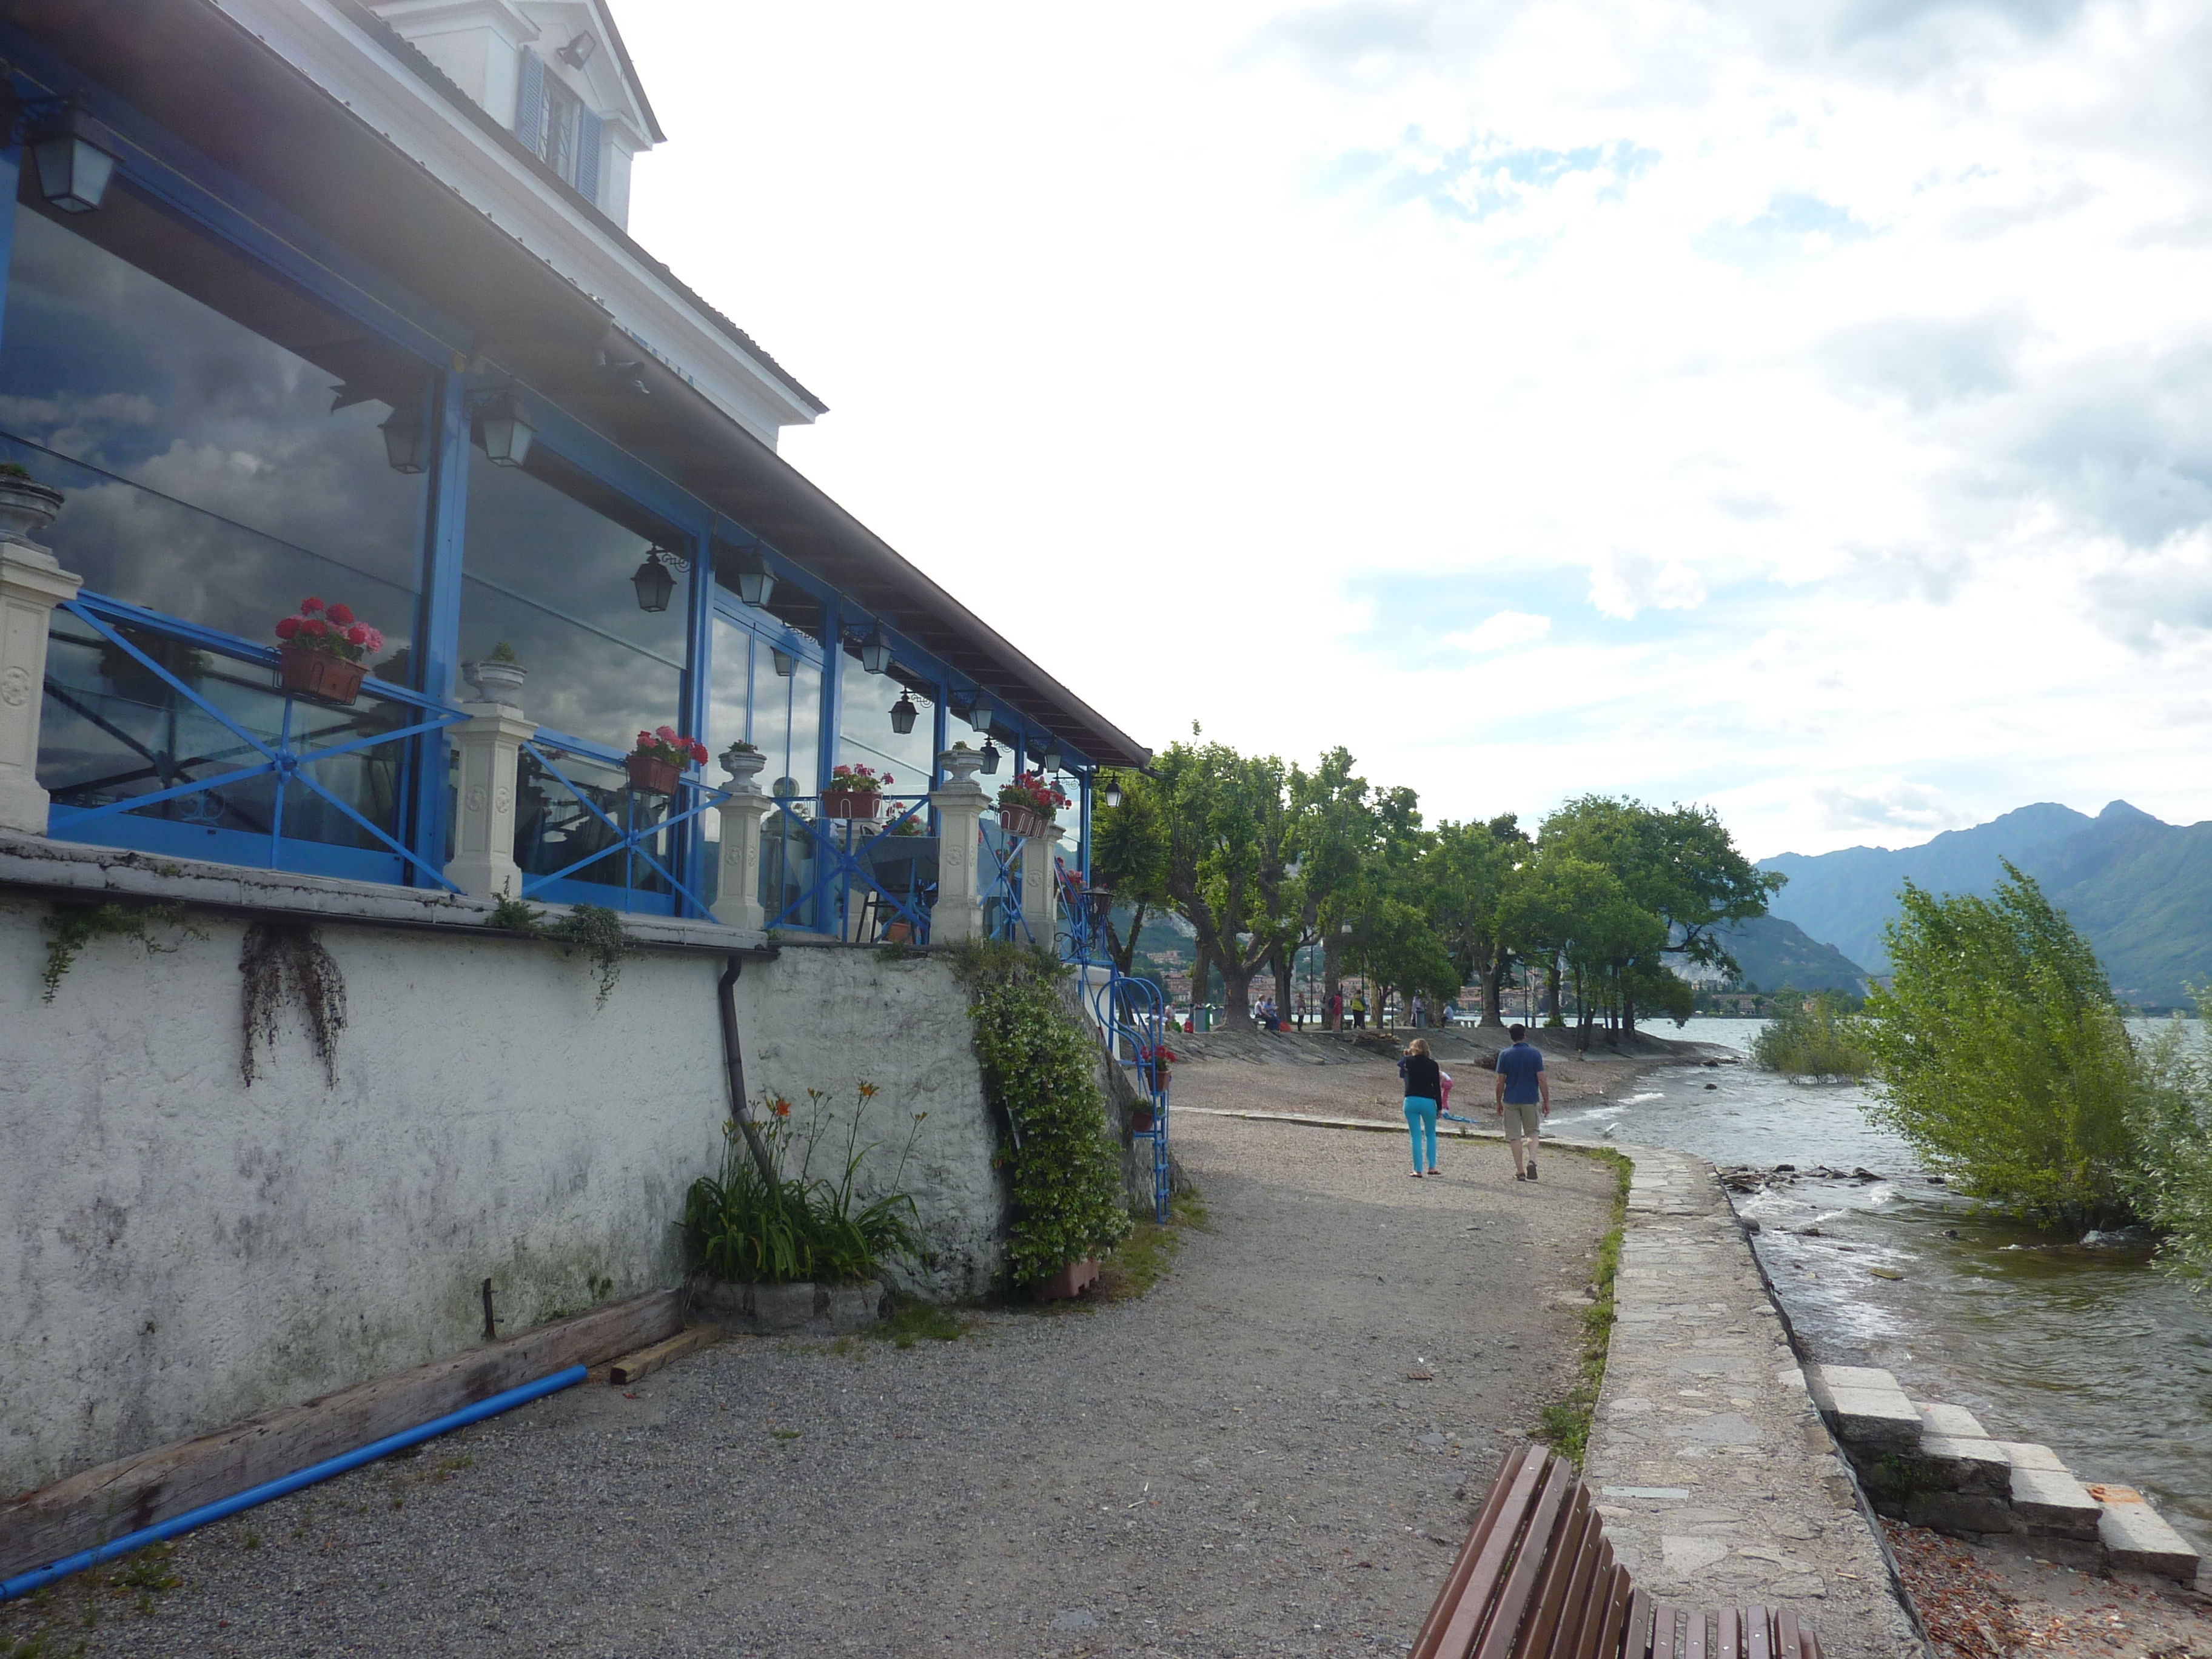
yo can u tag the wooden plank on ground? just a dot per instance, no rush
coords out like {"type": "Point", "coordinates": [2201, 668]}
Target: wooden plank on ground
{"type": "Point", "coordinates": [76, 1513]}
{"type": "Point", "coordinates": [646, 1361]}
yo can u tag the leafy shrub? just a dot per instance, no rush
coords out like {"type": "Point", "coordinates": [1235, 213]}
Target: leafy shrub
{"type": "Point", "coordinates": [2002, 1055]}
{"type": "Point", "coordinates": [2170, 1115]}
{"type": "Point", "coordinates": [1811, 1037]}
{"type": "Point", "coordinates": [753, 1226]}
{"type": "Point", "coordinates": [1062, 1160]}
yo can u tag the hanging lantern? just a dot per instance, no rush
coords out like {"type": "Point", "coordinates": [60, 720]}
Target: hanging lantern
{"type": "Point", "coordinates": [990, 757]}
{"type": "Point", "coordinates": [404, 441]}
{"type": "Point", "coordinates": [506, 435]}
{"type": "Point", "coordinates": [903, 713]}
{"type": "Point", "coordinates": [755, 584]}
{"type": "Point", "coordinates": [980, 714]}
{"type": "Point", "coordinates": [786, 663]}
{"type": "Point", "coordinates": [1052, 755]}
{"type": "Point", "coordinates": [875, 653]}
{"type": "Point", "coordinates": [1113, 793]}
{"type": "Point", "coordinates": [73, 170]}
{"type": "Point", "coordinates": [654, 581]}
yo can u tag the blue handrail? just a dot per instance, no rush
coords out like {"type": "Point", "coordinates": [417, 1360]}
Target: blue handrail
{"type": "Point", "coordinates": [628, 842]}
{"type": "Point", "coordinates": [838, 868]}
{"type": "Point", "coordinates": [281, 760]}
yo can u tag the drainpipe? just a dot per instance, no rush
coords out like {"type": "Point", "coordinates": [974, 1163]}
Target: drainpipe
{"type": "Point", "coordinates": [734, 1069]}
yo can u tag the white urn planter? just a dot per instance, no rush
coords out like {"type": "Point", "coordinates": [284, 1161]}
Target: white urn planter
{"type": "Point", "coordinates": [743, 765]}
{"type": "Point", "coordinates": [497, 682]}
{"type": "Point", "coordinates": [960, 763]}
{"type": "Point", "coordinates": [26, 508]}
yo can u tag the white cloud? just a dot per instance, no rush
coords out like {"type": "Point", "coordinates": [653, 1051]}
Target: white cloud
{"type": "Point", "coordinates": [1873, 330]}
{"type": "Point", "coordinates": [1622, 584]}
{"type": "Point", "coordinates": [1506, 628]}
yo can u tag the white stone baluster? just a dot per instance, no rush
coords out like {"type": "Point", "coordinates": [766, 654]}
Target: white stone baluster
{"type": "Point", "coordinates": [32, 583]}
{"type": "Point", "coordinates": [489, 744]}
{"type": "Point", "coordinates": [959, 801]}
{"type": "Point", "coordinates": [1040, 888]}
{"type": "Point", "coordinates": [736, 896]}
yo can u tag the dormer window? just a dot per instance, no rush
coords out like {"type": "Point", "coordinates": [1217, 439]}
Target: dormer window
{"type": "Point", "coordinates": [553, 122]}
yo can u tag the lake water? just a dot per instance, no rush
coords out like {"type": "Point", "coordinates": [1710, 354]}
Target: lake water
{"type": "Point", "coordinates": [2088, 1349]}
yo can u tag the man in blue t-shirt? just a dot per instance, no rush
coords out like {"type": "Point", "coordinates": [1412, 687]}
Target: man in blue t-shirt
{"type": "Point", "coordinates": [1522, 1086]}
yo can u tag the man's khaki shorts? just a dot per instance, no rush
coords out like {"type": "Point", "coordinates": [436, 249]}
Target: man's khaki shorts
{"type": "Point", "coordinates": [1520, 1120]}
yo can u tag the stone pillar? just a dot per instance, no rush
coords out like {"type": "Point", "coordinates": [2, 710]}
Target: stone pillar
{"type": "Point", "coordinates": [32, 583]}
{"type": "Point", "coordinates": [737, 896]}
{"type": "Point", "coordinates": [960, 803]}
{"type": "Point", "coordinates": [490, 745]}
{"type": "Point", "coordinates": [1041, 889]}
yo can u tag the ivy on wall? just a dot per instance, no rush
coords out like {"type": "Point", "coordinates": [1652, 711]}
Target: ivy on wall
{"type": "Point", "coordinates": [1063, 1161]}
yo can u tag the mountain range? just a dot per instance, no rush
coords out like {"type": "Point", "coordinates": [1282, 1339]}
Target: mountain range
{"type": "Point", "coordinates": [2139, 889]}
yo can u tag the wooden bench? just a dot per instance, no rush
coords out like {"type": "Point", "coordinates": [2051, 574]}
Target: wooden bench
{"type": "Point", "coordinates": [1536, 1580]}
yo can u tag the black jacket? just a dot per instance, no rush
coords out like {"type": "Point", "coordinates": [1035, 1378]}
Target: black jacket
{"type": "Point", "coordinates": [1423, 1081]}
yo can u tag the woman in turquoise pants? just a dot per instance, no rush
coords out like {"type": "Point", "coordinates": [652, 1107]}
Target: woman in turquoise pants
{"type": "Point", "coordinates": [1424, 1089]}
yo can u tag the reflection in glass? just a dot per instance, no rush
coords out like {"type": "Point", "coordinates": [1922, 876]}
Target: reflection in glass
{"type": "Point", "coordinates": [555, 829]}
{"type": "Point", "coordinates": [208, 475]}
{"type": "Point", "coordinates": [864, 737]}
{"type": "Point", "coordinates": [788, 724]}
{"type": "Point", "coordinates": [546, 570]}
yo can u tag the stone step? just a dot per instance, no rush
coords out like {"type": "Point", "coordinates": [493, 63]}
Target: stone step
{"type": "Point", "coordinates": [2025, 1455]}
{"type": "Point", "coordinates": [2134, 1536]}
{"type": "Point", "coordinates": [2052, 1504]}
{"type": "Point", "coordinates": [1953, 1422]}
{"type": "Point", "coordinates": [1965, 1465]}
{"type": "Point", "coordinates": [1870, 1410]}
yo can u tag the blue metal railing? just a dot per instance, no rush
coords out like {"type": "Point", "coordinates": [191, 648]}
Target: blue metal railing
{"type": "Point", "coordinates": [644, 841]}
{"type": "Point", "coordinates": [814, 867]}
{"type": "Point", "coordinates": [1130, 1017]}
{"type": "Point", "coordinates": [242, 755]}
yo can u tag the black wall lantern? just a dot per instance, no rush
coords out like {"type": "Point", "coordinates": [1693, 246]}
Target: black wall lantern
{"type": "Point", "coordinates": [73, 170]}
{"type": "Point", "coordinates": [506, 436]}
{"type": "Point", "coordinates": [787, 662]}
{"type": "Point", "coordinates": [655, 584]}
{"type": "Point", "coordinates": [903, 713]}
{"type": "Point", "coordinates": [1113, 793]}
{"type": "Point", "coordinates": [875, 653]}
{"type": "Point", "coordinates": [990, 757]}
{"type": "Point", "coordinates": [754, 583]}
{"type": "Point", "coordinates": [1052, 757]}
{"type": "Point", "coordinates": [405, 441]}
{"type": "Point", "coordinates": [980, 716]}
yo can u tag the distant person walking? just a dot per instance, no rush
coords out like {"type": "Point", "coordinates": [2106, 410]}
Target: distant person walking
{"type": "Point", "coordinates": [1522, 1086]}
{"type": "Point", "coordinates": [1360, 1010]}
{"type": "Point", "coordinates": [1332, 1011]}
{"type": "Point", "coordinates": [1425, 1093]}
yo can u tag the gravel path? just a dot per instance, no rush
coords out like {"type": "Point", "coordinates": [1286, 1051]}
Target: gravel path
{"type": "Point", "coordinates": [1368, 1088]}
{"type": "Point", "coordinates": [1236, 1464]}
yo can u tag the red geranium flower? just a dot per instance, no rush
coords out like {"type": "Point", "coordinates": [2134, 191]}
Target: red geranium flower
{"type": "Point", "coordinates": [340, 615]}
{"type": "Point", "coordinates": [309, 605]}
{"type": "Point", "coordinates": [356, 634]}
{"type": "Point", "coordinates": [315, 626]}
{"type": "Point", "coordinates": [287, 627]}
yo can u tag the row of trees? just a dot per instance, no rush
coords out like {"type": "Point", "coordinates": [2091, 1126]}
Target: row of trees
{"type": "Point", "coordinates": [1265, 860]}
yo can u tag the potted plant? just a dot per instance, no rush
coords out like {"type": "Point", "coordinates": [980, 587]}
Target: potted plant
{"type": "Point", "coordinates": [656, 765]}
{"type": "Point", "coordinates": [854, 792]}
{"type": "Point", "coordinates": [743, 762]}
{"type": "Point", "coordinates": [1027, 805]}
{"type": "Point", "coordinates": [26, 506]}
{"type": "Point", "coordinates": [326, 651]}
{"type": "Point", "coordinates": [499, 676]}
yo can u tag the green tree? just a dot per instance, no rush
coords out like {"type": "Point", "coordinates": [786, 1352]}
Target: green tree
{"type": "Point", "coordinates": [1227, 821]}
{"type": "Point", "coordinates": [1129, 849]}
{"type": "Point", "coordinates": [2002, 1054]}
{"type": "Point", "coordinates": [1467, 870]}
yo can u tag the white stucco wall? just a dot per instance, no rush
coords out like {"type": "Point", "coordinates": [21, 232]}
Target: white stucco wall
{"type": "Point", "coordinates": [178, 1251]}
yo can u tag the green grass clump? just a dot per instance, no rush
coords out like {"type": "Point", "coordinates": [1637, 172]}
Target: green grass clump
{"type": "Point", "coordinates": [1567, 1421]}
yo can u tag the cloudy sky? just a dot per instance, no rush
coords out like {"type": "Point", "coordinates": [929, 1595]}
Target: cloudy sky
{"type": "Point", "coordinates": [1803, 408]}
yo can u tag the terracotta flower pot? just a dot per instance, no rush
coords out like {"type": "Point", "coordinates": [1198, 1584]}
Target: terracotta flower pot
{"type": "Point", "coordinates": [649, 774]}
{"type": "Point", "coordinates": [1025, 822]}
{"type": "Point", "coordinates": [320, 674]}
{"type": "Point", "coordinates": [849, 804]}
{"type": "Point", "coordinates": [1069, 1281]}
{"type": "Point", "coordinates": [1140, 1120]}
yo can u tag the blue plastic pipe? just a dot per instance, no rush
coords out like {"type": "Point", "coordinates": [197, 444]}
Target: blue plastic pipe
{"type": "Point", "coordinates": [24, 1583]}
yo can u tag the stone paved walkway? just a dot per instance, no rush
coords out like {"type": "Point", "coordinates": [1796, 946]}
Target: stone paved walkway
{"type": "Point", "coordinates": [1718, 1482]}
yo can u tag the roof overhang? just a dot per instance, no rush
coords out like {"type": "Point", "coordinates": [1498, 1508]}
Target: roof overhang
{"type": "Point", "coordinates": [187, 66]}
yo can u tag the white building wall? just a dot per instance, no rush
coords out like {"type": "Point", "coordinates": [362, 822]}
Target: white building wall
{"type": "Point", "coordinates": [179, 1251]}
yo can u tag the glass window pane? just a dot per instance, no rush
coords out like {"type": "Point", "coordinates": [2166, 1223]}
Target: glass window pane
{"type": "Point", "coordinates": [553, 828]}
{"type": "Point", "coordinates": [546, 570]}
{"type": "Point", "coordinates": [788, 723]}
{"type": "Point", "coordinates": [185, 404]}
{"type": "Point", "coordinates": [864, 737]}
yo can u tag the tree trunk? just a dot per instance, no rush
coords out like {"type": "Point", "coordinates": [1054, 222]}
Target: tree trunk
{"type": "Point", "coordinates": [1235, 993]}
{"type": "Point", "coordinates": [1332, 975]}
{"type": "Point", "coordinates": [1627, 1011]}
{"type": "Point", "coordinates": [1494, 986]}
{"type": "Point", "coordinates": [1552, 992]}
{"type": "Point", "coordinates": [1198, 975]}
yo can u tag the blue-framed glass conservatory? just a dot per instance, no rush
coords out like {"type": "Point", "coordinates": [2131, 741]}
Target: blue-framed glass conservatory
{"type": "Point", "coordinates": [275, 359]}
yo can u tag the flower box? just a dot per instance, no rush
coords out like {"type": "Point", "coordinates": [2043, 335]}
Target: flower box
{"type": "Point", "coordinates": [310, 673]}
{"type": "Point", "coordinates": [1025, 822]}
{"type": "Point", "coordinates": [652, 775]}
{"type": "Point", "coordinates": [850, 804]}
{"type": "Point", "coordinates": [1140, 1120]}
{"type": "Point", "coordinates": [1070, 1281]}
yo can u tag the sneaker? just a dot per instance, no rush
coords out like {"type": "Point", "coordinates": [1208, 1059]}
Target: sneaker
{"type": "Point", "coordinates": [1532, 1169]}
